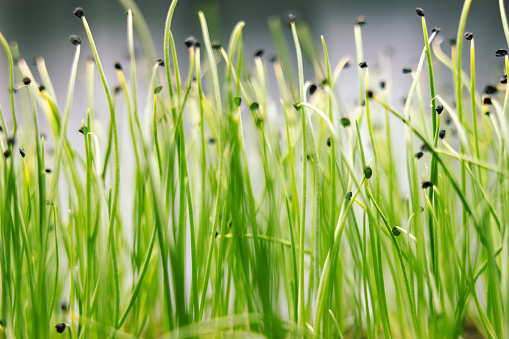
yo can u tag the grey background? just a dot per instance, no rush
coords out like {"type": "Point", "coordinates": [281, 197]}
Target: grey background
{"type": "Point", "coordinates": [42, 28]}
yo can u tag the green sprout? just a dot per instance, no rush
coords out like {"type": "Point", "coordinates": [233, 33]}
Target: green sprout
{"type": "Point", "coordinates": [229, 208]}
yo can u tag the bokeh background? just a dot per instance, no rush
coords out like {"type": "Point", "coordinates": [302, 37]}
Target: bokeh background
{"type": "Point", "coordinates": [42, 28]}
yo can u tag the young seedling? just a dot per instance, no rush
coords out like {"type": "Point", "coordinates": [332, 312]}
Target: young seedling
{"type": "Point", "coordinates": [207, 181]}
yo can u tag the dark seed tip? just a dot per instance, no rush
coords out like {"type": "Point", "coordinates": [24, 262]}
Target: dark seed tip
{"type": "Point", "coordinates": [190, 41]}
{"type": "Point", "coordinates": [328, 142]}
{"type": "Point", "coordinates": [61, 327]}
{"type": "Point", "coordinates": [118, 66]}
{"type": "Point", "coordinates": [486, 101]}
{"type": "Point", "coordinates": [418, 155]}
{"type": "Point", "coordinates": [501, 53]}
{"type": "Point", "coordinates": [441, 134]}
{"type": "Point", "coordinates": [406, 70]}
{"type": "Point", "coordinates": [42, 88]}
{"type": "Point", "coordinates": [345, 122]}
{"type": "Point", "coordinates": [292, 17]}
{"type": "Point", "coordinates": [439, 109]}
{"type": "Point", "coordinates": [312, 89]}
{"type": "Point", "coordinates": [427, 184]}
{"type": "Point", "coordinates": [75, 40]}
{"type": "Point", "coordinates": [22, 152]}
{"type": "Point", "coordinates": [396, 231]}
{"type": "Point", "coordinates": [382, 84]}
{"type": "Point", "coordinates": [419, 11]}
{"type": "Point", "coordinates": [216, 45]}
{"type": "Point", "coordinates": [489, 89]}
{"type": "Point", "coordinates": [259, 53]}
{"type": "Point", "coordinates": [360, 20]}
{"type": "Point", "coordinates": [469, 35]}
{"type": "Point", "coordinates": [26, 81]}
{"type": "Point", "coordinates": [436, 30]}
{"type": "Point", "coordinates": [48, 170]}
{"type": "Point", "coordinates": [160, 62]}
{"type": "Point", "coordinates": [363, 64]}
{"type": "Point", "coordinates": [158, 89]}
{"type": "Point", "coordinates": [79, 12]}
{"type": "Point", "coordinates": [368, 172]}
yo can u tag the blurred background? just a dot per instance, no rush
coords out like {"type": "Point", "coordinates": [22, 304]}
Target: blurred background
{"type": "Point", "coordinates": [42, 29]}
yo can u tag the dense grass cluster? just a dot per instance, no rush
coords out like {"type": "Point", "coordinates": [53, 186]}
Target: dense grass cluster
{"type": "Point", "coordinates": [244, 215]}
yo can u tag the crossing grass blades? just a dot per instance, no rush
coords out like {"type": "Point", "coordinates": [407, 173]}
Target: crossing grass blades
{"type": "Point", "coordinates": [225, 210]}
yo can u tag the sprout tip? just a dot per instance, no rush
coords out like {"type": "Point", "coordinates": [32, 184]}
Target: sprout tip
{"type": "Point", "coordinates": [368, 172]}
{"type": "Point", "coordinates": [490, 89]}
{"type": "Point", "coordinates": [312, 89]}
{"type": "Point", "coordinates": [75, 40]}
{"type": "Point", "coordinates": [61, 327]}
{"type": "Point", "coordinates": [360, 20]}
{"type": "Point", "coordinates": [259, 53]}
{"type": "Point", "coordinates": [501, 53]}
{"type": "Point", "coordinates": [427, 184]}
{"type": "Point", "coordinates": [79, 12]}
{"type": "Point", "coordinates": [345, 122]}
{"type": "Point", "coordinates": [190, 41]}
{"type": "Point", "coordinates": [441, 134]}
